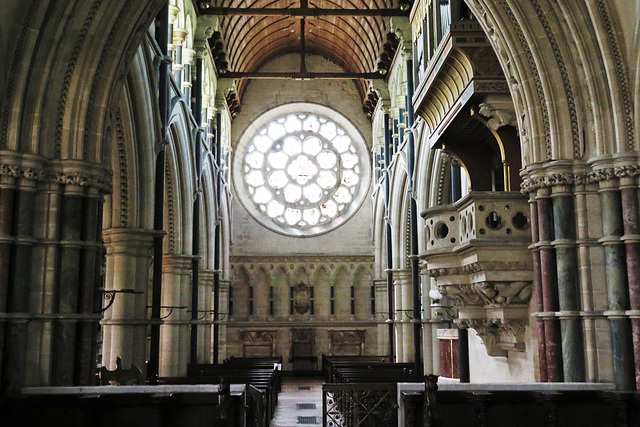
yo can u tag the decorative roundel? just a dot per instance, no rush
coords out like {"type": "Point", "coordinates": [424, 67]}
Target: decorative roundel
{"type": "Point", "coordinates": [302, 173]}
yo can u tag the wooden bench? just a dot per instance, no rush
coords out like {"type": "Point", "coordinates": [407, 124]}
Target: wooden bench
{"type": "Point", "coordinates": [263, 374]}
{"type": "Point", "coordinates": [330, 362]}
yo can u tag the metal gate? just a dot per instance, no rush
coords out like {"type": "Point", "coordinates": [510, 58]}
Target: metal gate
{"type": "Point", "coordinates": [359, 405]}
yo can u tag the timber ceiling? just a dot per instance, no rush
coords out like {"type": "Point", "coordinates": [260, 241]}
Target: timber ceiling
{"type": "Point", "coordinates": [277, 27]}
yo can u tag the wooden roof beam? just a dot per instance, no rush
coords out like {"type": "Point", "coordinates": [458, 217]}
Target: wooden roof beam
{"type": "Point", "coordinates": [299, 12]}
{"type": "Point", "coordinates": [300, 76]}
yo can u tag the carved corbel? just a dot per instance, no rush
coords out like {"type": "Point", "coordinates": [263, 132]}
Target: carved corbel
{"type": "Point", "coordinates": [494, 118]}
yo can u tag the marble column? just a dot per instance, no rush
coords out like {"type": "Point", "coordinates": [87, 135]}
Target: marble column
{"type": "Point", "coordinates": [7, 192]}
{"type": "Point", "coordinates": [129, 255]}
{"type": "Point", "coordinates": [176, 298]}
{"type": "Point", "coordinates": [631, 239]}
{"type": "Point", "coordinates": [91, 257]}
{"type": "Point", "coordinates": [537, 287]}
{"type": "Point", "coordinates": [17, 290]}
{"type": "Point", "coordinates": [66, 300]}
{"type": "Point", "coordinates": [573, 364]}
{"type": "Point", "coordinates": [617, 286]}
{"type": "Point", "coordinates": [548, 275]}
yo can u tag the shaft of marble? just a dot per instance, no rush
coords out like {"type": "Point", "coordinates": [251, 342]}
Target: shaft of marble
{"type": "Point", "coordinates": [573, 363]}
{"type": "Point", "coordinates": [629, 197]}
{"type": "Point", "coordinates": [617, 288]}
{"type": "Point", "coordinates": [15, 340]}
{"type": "Point", "coordinates": [537, 288]}
{"type": "Point", "coordinates": [548, 275]}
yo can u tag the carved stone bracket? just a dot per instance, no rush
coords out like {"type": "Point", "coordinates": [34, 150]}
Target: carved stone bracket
{"type": "Point", "coordinates": [498, 311]}
{"type": "Point", "coordinates": [498, 335]}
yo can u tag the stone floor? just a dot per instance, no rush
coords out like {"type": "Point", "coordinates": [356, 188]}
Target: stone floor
{"type": "Point", "coordinates": [294, 400]}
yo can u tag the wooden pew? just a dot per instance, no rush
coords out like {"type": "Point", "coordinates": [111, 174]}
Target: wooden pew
{"type": "Point", "coordinates": [329, 362]}
{"type": "Point", "coordinates": [264, 374]}
{"type": "Point", "coordinates": [133, 406]}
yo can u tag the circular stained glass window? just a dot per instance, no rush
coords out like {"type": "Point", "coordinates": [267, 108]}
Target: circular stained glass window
{"type": "Point", "coordinates": [302, 172]}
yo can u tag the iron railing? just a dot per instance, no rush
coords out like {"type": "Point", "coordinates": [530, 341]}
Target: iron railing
{"type": "Point", "coordinates": [359, 405]}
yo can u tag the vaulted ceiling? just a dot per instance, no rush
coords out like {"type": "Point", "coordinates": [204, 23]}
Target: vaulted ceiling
{"type": "Point", "coordinates": [350, 33]}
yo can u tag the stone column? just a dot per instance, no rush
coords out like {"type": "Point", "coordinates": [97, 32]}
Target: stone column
{"type": "Point", "coordinates": [224, 318]}
{"type": "Point", "coordinates": [205, 329]}
{"type": "Point", "coordinates": [631, 239]}
{"type": "Point", "coordinates": [537, 286]}
{"type": "Point", "coordinates": [129, 256]}
{"type": "Point", "coordinates": [586, 286]}
{"type": "Point", "coordinates": [176, 299]}
{"type": "Point", "coordinates": [179, 36]}
{"type": "Point", "coordinates": [403, 292]}
{"type": "Point", "coordinates": [187, 58]}
{"type": "Point", "coordinates": [617, 286]}
{"type": "Point", "coordinates": [573, 365]}
{"type": "Point", "coordinates": [548, 275]}
{"type": "Point", "coordinates": [382, 308]}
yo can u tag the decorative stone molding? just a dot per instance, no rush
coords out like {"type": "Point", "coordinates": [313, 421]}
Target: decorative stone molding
{"type": "Point", "coordinates": [68, 172]}
{"type": "Point", "coordinates": [475, 267]}
{"type": "Point", "coordinates": [564, 75]}
{"type": "Point", "coordinates": [532, 184]}
{"type": "Point", "coordinates": [621, 72]}
{"type": "Point", "coordinates": [71, 66]}
{"type": "Point", "coordinates": [98, 80]}
{"type": "Point", "coordinates": [309, 260]}
{"type": "Point", "coordinates": [499, 45]}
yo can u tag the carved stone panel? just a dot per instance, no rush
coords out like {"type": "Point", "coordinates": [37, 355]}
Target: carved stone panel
{"type": "Point", "coordinates": [258, 343]}
{"type": "Point", "coordinates": [347, 342]}
{"type": "Point", "coordinates": [301, 298]}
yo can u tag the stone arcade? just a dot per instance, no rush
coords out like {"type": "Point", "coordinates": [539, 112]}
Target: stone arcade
{"type": "Point", "coordinates": [187, 181]}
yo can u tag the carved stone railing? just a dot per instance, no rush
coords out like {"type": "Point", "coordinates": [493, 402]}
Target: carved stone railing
{"type": "Point", "coordinates": [477, 250]}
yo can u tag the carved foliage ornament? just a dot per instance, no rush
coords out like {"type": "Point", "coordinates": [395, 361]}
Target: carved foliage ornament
{"type": "Point", "coordinates": [492, 294]}
{"type": "Point", "coordinates": [101, 182]}
{"type": "Point", "coordinates": [532, 184]}
{"type": "Point", "coordinates": [476, 267]}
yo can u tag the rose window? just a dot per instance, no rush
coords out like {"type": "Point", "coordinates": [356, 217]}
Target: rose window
{"type": "Point", "coordinates": [302, 171]}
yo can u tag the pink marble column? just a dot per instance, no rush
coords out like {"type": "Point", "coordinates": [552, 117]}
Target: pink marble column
{"type": "Point", "coordinates": [629, 198]}
{"type": "Point", "coordinates": [537, 288]}
{"type": "Point", "coordinates": [550, 303]}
